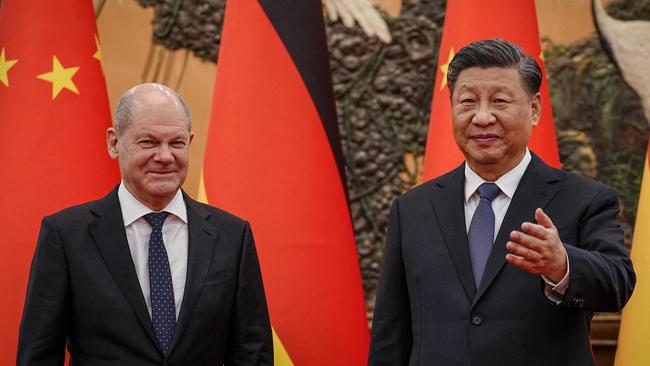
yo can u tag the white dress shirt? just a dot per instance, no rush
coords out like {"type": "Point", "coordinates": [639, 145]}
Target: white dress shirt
{"type": "Point", "coordinates": [507, 183]}
{"type": "Point", "coordinates": [175, 236]}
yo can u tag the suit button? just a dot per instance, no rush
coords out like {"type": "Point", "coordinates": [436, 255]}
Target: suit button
{"type": "Point", "coordinates": [477, 319]}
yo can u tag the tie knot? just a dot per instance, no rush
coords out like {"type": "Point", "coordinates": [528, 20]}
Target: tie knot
{"type": "Point", "coordinates": [156, 219]}
{"type": "Point", "coordinates": [489, 191]}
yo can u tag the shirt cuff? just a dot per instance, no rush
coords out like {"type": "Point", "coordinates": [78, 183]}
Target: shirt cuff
{"type": "Point", "coordinates": [555, 291]}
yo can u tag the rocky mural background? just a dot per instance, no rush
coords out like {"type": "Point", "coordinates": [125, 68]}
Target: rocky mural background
{"type": "Point", "coordinates": [383, 94]}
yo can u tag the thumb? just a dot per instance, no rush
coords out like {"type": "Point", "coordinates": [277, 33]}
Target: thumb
{"type": "Point", "coordinates": [542, 218]}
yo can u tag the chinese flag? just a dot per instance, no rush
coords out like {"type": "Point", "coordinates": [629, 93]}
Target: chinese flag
{"type": "Point", "coordinates": [273, 157]}
{"type": "Point", "coordinates": [467, 21]}
{"type": "Point", "coordinates": [635, 323]}
{"type": "Point", "coordinates": [53, 119]}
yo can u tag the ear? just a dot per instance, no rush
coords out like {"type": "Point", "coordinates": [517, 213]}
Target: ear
{"type": "Point", "coordinates": [536, 109]}
{"type": "Point", "coordinates": [191, 137]}
{"type": "Point", "coordinates": [111, 142]}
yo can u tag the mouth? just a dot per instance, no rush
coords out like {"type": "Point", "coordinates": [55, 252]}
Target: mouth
{"type": "Point", "coordinates": [484, 138]}
{"type": "Point", "coordinates": [162, 172]}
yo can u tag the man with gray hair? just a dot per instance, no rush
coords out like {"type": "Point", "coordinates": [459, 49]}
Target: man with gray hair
{"type": "Point", "coordinates": [146, 275]}
{"type": "Point", "coordinates": [503, 260]}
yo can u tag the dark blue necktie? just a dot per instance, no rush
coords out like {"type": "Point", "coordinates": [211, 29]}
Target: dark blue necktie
{"type": "Point", "coordinates": [163, 306]}
{"type": "Point", "coordinates": [481, 230]}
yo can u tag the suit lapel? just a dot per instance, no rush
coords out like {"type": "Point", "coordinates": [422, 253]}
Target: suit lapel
{"type": "Point", "coordinates": [448, 206]}
{"type": "Point", "coordinates": [201, 244]}
{"type": "Point", "coordinates": [534, 190]}
{"type": "Point", "coordinates": [110, 239]}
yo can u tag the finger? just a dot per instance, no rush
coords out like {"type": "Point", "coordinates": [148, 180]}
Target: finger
{"type": "Point", "coordinates": [523, 252]}
{"type": "Point", "coordinates": [526, 240]}
{"type": "Point", "coordinates": [535, 230]}
{"type": "Point", "coordinates": [542, 218]}
{"type": "Point", "coordinates": [521, 263]}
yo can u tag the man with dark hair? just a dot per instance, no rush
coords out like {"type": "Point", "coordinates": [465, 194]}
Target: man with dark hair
{"type": "Point", "coordinates": [146, 275]}
{"type": "Point", "coordinates": [503, 260]}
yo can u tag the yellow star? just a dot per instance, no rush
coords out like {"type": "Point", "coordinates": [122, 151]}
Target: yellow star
{"type": "Point", "coordinates": [5, 65]}
{"type": "Point", "coordinates": [60, 77]}
{"type": "Point", "coordinates": [541, 56]}
{"type": "Point", "coordinates": [445, 68]}
{"type": "Point", "coordinates": [98, 53]}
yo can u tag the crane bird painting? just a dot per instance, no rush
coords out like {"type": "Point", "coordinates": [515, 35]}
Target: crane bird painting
{"type": "Point", "coordinates": [628, 44]}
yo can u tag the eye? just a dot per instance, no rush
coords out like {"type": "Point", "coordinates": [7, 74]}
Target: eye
{"type": "Point", "coordinates": [500, 101]}
{"type": "Point", "coordinates": [178, 144]}
{"type": "Point", "coordinates": [467, 101]}
{"type": "Point", "coordinates": [146, 143]}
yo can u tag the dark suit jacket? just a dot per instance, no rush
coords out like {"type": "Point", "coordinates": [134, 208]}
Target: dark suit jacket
{"type": "Point", "coordinates": [428, 311]}
{"type": "Point", "coordinates": [83, 288]}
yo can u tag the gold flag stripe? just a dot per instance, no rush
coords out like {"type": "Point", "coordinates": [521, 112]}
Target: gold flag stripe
{"type": "Point", "coordinates": [635, 323]}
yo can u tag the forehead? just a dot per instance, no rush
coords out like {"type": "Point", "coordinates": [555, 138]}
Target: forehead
{"type": "Point", "coordinates": [490, 79]}
{"type": "Point", "coordinates": [158, 113]}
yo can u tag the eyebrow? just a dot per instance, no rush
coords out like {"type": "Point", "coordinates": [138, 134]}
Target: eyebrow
{"type": "Point", "coordinates": [151, 135]}
{"type": "Point", "coordinates": [493, 90]}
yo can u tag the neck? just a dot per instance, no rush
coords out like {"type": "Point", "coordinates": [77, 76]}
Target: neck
{"type": "Point", "coordinates": [487, 175]}
{"type": "Point", "coordinates": [155, 205]}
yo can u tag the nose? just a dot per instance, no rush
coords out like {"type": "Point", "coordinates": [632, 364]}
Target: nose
{"type": "Point", "coordinates": [484, 115]}
{"type": "Point", "coordinates": [164, 154]}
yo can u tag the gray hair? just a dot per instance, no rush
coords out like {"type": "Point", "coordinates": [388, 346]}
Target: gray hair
{"type": "Point", "coordinates": [124, 108]}
{"type": "Point", "coordinates": [496, 53]}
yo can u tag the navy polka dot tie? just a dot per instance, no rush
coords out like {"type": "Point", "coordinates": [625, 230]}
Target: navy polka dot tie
{"type": "Point", "coordinates": [481, 230]}
{"type": "Point", "coordinates": [163, 307]}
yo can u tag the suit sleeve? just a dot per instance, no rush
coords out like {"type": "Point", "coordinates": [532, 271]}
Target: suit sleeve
{"type": "Point", "coordinates": [44, 325]}
{"type": "Point", "coordinates": [250, 339]}
{"type": "Point", "coordinates": [601, 276]}
{"type": "Point", "coordinates": [391, 337]}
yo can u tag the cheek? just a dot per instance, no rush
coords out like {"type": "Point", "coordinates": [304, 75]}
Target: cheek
{"type": "Point", "coordinates": [519, 133]}
{"type": "Point", "coordinates": [140, 159]}
{"type": "Point", "coordinates": [181, 158]}
{"type": "Point", "coordinates": [461, 118]}
{"type": "Point", "coordinates": [458, 129]}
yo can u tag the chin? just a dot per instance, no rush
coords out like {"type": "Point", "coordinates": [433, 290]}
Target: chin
{"type": "Point", "coordinates": [484, 157]}
{"type": "Point", "coordinates": [162, 189]}
{"type": "Point", "coordinates": [486, 160]}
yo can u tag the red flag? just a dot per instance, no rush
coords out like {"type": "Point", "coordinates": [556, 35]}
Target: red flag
{"type": "Point", "coordinates": [53, 119]}
{"type": "Point", "coordinates": [472, 20]}
{"type": "Point", "coordinates": [273, 157]}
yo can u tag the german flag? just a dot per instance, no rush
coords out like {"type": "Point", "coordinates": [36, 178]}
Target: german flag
{"type": "Point", "coordinates": [273, 156]}
{"type": "Point", "coordinates": [53, 118]}
{"type": "Point", "coordinates": [467, 21]}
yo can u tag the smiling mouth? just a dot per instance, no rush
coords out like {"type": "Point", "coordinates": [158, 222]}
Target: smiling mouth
{"type": "Point", "coordinates": [484, 138]}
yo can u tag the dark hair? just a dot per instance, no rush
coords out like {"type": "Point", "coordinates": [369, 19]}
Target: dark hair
{"type": "Point", "coordinates": [496, 53]}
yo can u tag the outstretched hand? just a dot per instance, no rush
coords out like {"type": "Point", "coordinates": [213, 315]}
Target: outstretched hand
{"type": "Point", "coordinates": [537, 248]}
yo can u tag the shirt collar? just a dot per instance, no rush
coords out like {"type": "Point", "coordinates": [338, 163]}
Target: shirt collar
{"type": "Point", "coordinates": [132, 209]}
{"type": "Point", "coordinates": [507, 183]}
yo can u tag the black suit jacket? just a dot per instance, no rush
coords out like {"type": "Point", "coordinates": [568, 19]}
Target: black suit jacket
{"type": "Point", "coordinates": [428, 311]}
{"type": "Point", "coordinates": [83, 290]}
